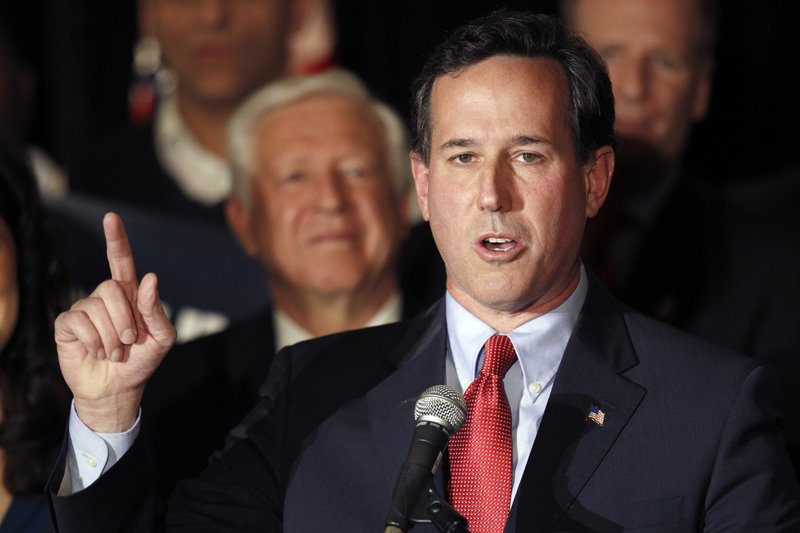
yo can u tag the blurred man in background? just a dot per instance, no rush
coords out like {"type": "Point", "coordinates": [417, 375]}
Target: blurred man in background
{"type": "Point", "coordinates": [719, 263]}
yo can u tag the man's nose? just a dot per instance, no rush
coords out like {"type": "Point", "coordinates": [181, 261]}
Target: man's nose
{"type": "Point", "coordinates": [496, 183]}
{"type": "Point", "coordinates": [629, 80]}
{"type": "Point", "coordinates": [331, 191]}
{"type": "Point", "coordinates": [213, 13]}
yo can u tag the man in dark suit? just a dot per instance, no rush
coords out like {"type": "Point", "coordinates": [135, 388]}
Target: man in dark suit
{"type": "Point", "coordinates": [615, 421]}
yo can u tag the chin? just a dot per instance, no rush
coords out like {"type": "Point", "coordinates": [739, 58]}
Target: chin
{"type": "Point", "coordinates": [332, 286]}
{"type": "Point", "coordinates": [497, 296]}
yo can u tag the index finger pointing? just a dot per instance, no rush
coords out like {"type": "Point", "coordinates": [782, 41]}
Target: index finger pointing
{"type": "Point", "coordinates": [118, 249]}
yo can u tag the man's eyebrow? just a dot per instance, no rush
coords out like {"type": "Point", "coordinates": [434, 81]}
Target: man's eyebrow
{"type": "Point", "coordinates": [457, 143]}
{"type": "Point", "coordinates": [523, 140]}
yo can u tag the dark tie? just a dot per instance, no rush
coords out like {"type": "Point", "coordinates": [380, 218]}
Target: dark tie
{"type": "Point", "coordinates": [480, 452]}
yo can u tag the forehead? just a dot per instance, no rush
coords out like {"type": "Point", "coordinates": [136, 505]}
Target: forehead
{"type": "Point", "coordinates": [502, 95]}
{"type": "Point", "coordinates": [329, 119]}
{"type": "Point", "coordinates": [199, 5]}
{"type": "Point", "coordinates": [657, 23]}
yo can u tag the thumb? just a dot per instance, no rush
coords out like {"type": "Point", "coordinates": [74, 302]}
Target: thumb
{"type": "Point", "coordinates": [152, 312]}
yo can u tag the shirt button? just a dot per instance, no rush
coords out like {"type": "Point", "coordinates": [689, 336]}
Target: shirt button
{"type": "Point", "coordinates": [91, 461]}
{"type": "Point", "coordinates": [535, 388]}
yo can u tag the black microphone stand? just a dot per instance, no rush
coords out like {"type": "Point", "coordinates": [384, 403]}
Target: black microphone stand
{"type": "Point", "coordinates": [430, 508]}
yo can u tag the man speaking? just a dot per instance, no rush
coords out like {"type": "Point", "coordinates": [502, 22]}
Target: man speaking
{"type": "Point", "coordinates": [582, 415]}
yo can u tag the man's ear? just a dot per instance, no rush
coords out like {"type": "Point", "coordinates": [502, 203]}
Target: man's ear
{"type": "Point", "coordinates": [597, 179]}
{"type": "Point", "coordinates": [421, 178]}
{"type": "Point", "coordinates": [240, 223]}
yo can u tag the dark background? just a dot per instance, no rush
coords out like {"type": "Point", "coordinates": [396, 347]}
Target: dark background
{"type": "Point", "coordinates": [82, 49]}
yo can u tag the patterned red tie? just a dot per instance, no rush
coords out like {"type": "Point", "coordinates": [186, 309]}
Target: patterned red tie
{"type": "Point", "coordinates": [480, 452]}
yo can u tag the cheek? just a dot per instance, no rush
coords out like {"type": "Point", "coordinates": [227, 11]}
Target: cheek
{"type": "Point", "coordinates": [450, 213]}
{"type": "Point", "coordinates": [277, 226]}
{"type": "Point", "coordinates": [674, 96]}
{"type": "Point", "coordinates": [172, 29]}
{"type": "Point", "coordinates": [442, 200]}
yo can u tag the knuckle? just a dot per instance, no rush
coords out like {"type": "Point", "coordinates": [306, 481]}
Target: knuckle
{"type": "Point", "coordinates": [107, 288]}
{"type": "Point", "coordinates": [90, 305]}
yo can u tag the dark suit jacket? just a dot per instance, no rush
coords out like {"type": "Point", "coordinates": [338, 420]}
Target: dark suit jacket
{"type": "Point", "coordinates": [205, 387]}
{"type": "Point", "coordinates": [690, 440]}
{"type": "Point", "coordinates": [722, 265]}
{"type": "Point", "coordinates": [202, 390]}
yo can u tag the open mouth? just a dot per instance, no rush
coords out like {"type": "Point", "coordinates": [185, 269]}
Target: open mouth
{"type": "Point", "coordinates": [498, 244]}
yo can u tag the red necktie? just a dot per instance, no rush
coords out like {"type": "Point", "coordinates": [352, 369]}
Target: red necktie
{"type": "Point", "coordinates": [480, 452]}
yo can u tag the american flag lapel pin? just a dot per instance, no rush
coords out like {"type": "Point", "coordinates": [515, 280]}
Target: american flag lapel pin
{"type": "Point", "coordinates": [596, 415]}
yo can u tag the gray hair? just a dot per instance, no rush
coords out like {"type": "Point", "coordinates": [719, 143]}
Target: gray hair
{"type": "Point", "coordinates": [285, 91]}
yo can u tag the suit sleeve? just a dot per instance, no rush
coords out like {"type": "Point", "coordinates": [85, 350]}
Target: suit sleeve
{"type": "Point", "coordinates": [121, 501]}
{"type": "Point", "coordinates": [242, 488]}
{"type": "Point", "coordinates": [753, 486]}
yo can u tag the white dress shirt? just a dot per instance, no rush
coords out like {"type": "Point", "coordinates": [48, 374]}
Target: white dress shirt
{"type": "Point", "coordinates": [288, 332]}
{"type": "Point", "coordinates": [539, 344]}
{"type": "Point", "coordinates": [201, 175]}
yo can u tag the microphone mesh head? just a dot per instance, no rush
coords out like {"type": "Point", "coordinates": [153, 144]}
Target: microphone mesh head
{"type": "Point", "coordinates": [442, 405]}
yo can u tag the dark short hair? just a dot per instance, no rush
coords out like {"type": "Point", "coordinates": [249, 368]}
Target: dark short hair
{"type": "Point", "coordinates": [530, 35]}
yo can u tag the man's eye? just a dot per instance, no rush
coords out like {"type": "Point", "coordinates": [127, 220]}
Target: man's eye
{"type": "Point", "coordinates": [609, 53]}
{"type": "Point", "coordinates": [528, 157]}
{"type": "Point", "coordinates": [464, 158]}
{"type": "Point", "coordinates": [292, 177]}
{"type": "Point", "coordinates": [663, 61]}
{"type": "Point", "coordinates": [355, 172]}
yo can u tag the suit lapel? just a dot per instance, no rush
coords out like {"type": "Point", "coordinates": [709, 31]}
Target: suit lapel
{"type": "Point", "coordinates": [569, 446]}
{"type": "Point", "coordinates": [390, 405]}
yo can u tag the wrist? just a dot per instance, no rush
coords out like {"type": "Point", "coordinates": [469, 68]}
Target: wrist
{"type": "Point", "coordinates": [109, 415]}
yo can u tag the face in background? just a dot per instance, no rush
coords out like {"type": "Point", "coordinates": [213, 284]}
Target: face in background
{"type": "Point", "coordinates": [504, 193]}
{"type": "Point", "coordinates": [9, 289]}
{"type": "Point", "coordinates": [325, 218]}
{"type": "Point", "coordinates": [652, 48]}
{"type": "Point", "coordinates": [221, 50]}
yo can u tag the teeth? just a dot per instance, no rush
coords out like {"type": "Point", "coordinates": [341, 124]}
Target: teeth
{"type": "Point", "coordinates": [497, 244]}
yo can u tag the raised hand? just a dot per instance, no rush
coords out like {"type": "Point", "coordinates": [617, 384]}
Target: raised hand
{"type": "Point", "coordinates": [110, 343]}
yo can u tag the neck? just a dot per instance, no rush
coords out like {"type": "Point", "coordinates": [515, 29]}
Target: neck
{"type": "Point", "coordinates": [206, 124]}
{"type": "Point", "coordinates": [323, 314]}
{"type": "Point", "coordinates": [506, 320]}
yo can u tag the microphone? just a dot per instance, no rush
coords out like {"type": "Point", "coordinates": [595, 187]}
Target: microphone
{"type": "Point", "coordinates": [440, 411]}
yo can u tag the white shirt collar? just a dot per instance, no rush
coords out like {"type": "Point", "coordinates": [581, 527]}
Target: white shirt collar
{"type": "Point", "coordinates": [200, 174]}
{"type": "Point", "coordinates": [540, 343]}
{"type": "Point", "coordinates": [288, 332]}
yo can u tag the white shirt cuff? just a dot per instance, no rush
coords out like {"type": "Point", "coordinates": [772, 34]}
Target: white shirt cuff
{"type": "Point", "coordinates": [92, 454]}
